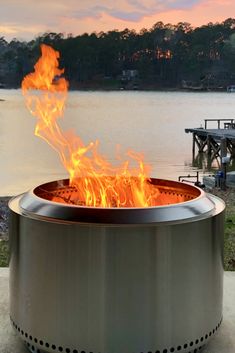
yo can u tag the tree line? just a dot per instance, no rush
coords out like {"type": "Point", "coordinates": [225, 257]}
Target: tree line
{"type": "Point", "coordinates": [164, 56]}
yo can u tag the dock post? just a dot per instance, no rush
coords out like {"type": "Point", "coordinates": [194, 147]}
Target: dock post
{"type": "Point", "coordinates": [232, 150]}
{"type": "Point", "coordinates": [223, 149]}
{"type": "Point", "coordinates": [208, 146]}
{"type": "Point", "coordinates": [194, 143]}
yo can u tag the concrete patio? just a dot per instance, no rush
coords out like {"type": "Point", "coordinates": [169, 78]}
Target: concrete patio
{"type": "Point", "coordinates": [223, 342]}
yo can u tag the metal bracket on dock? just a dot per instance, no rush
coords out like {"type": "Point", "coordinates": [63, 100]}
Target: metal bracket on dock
{"type": "Point", "coordinates": [196, 183]}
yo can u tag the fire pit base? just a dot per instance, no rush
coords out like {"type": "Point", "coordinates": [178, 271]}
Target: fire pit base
{"type": "Point", "coordinates": [189, 347]}
{"type": "Point", "coordinates": [139, 280]}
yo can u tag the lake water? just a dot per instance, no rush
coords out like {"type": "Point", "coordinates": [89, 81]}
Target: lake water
{"type": "Point", "coordinates": [148, 122]}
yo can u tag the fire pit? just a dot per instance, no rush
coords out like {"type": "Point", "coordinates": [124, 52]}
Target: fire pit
{"type": "Point", "coordinates": [116, 280]}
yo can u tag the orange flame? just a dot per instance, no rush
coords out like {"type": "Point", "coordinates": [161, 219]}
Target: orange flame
{"type": "Point", "coordinates": [97, 182]}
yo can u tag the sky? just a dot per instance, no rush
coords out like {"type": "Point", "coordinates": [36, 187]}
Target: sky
{"type": "Point", "coordinates": [25, 19]}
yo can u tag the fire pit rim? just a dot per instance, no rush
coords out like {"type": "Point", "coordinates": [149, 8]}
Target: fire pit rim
{"type": "Point", "coordinates": [39, 208]}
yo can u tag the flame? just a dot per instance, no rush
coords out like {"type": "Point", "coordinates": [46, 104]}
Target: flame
{"type": "Point", "coordinates": [97, 182]}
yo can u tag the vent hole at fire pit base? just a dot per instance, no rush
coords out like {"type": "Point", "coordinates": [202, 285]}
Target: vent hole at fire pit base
{"type": "Point", "coordinates": [69, 350]}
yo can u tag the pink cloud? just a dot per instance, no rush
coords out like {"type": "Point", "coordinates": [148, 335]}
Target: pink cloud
{"type": "Point", "coordinates": [26, 20]}
{"type": "Point", "coordinates": [204, 12]}
{"type": "Point", "coordinates": [201, 13]}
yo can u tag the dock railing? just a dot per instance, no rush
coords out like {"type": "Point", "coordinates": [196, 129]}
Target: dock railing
{"type": "Point", "coordinates": [227, 123]}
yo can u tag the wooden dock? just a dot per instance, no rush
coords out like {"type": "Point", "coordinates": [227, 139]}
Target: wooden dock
{"type": "Point", "coordinates": [216, 142]}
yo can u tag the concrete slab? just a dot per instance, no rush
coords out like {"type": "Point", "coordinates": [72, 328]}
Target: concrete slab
{"type": "Point", "coordinates": [223, 342]}
{"type": "Point", "coordinates": [9, 341]}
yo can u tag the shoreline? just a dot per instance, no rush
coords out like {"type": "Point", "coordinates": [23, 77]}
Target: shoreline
{"type": "Point", "coordinates": [120, 89]}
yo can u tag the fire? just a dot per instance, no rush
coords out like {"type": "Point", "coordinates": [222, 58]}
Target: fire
{"type": "Point", "coordinates": [97, 182]}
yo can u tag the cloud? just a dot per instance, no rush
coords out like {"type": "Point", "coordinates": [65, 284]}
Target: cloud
{"type": "Point", "coordinates": [133, 16]}
{"type": "Point", "coordinates": [128, 10]}
{"type": "Point", "coordinates": [48, 12]}
{"type": "Point", "coordinates": [27, 18]}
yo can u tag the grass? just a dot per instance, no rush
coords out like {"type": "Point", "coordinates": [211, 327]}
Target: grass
{"type": "Point", "coordinates": [4, 253]}
{"type": "Point", "coordinates": [229, 243]}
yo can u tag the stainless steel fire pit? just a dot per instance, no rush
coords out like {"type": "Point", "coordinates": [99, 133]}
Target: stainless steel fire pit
{"type": "Point", "coordinates": [130, 280]}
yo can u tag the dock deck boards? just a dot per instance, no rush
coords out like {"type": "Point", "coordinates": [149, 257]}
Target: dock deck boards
{"type": "Point", "coordinates": [217, 134]}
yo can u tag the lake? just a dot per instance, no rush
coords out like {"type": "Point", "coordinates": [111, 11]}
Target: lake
{"type": "Point", "coordinates": [148, 122]}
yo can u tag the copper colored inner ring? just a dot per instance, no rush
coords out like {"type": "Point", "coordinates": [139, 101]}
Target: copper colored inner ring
{"type": "Point", "coordinates": [169, 193]}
